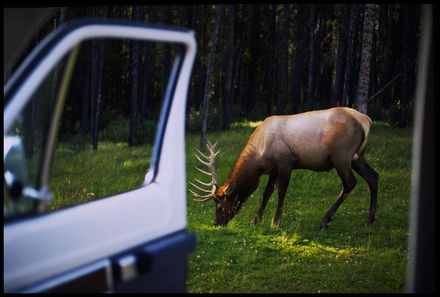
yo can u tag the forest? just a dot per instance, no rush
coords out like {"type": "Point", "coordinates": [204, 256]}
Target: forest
{"type": "Point", "coordinates": [253, 61]}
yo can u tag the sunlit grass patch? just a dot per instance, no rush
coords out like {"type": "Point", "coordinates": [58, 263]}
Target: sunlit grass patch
{"type": "Point", "coordinates": [249, 124]}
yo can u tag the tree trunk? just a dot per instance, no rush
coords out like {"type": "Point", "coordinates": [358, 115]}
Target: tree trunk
{"type": "Point", "coordinates": [55, 74]}
{"type": "Point", "coordinates": [85, 102]}
{"type": "Point", "coordinates": [243, 90]}
{"type": "Point", "coordinates": [269, 84]}
{"type": "Point", "coordinates": [191, 24]}
{"type": "Point", "coordinates": [350, 55]}
{"type": "Point", "coordinates": [166, 52]}
{"type": "Point", "coordinates": [100, 66]}
{"type": "Point", "coordinates": [364, 73]}
{"type": "Point", "coordinates": [93, 84]}
{"type": "Point", "coordinates": [373, 62]}
{"type": "Point", "coordinates": [311, 76]}
{"type": "Point", "coordinates": [298, 65]}
{"type": "Point", "coordinates": [239, 65]}
{"type": "Point", "coordinates": [135, 83]}
{"type": "Point", "coordinates": [388, 61]}
{"type": "Point", "coordinates": [205, 106]}
{"type": "Point", "coordinates": [357, 50]}
{"type": "Point", "coordinates": [98, 104]}
{"type": "Point", "coordinates": [413, 21]}
{"type": "Point", "coordinates": [253, 32]}
{"type": "Point", "coordinates": [199, 71]}
{"type": "Point", "coordinates": [344, 21]}
{"type": "Point", "coordinates": [323, 60]}
{"type": "Point", "coordinates": [146, 98]}
{"type": "Point", "coordinates": [404, 63]}
{"type": "Point", "coordinates": [283, 64]}
{"type": "Point", "coordinates": [227, 98]}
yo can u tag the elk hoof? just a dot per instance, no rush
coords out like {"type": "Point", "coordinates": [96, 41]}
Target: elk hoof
{"type": "Point", "coordinates": [275, 222]}
{"type": "Point", "coordinates": [372, 219]}
{"type": "Point", "coordinates": [255, 221]}
{"type": "Point", "coordinates": [324, 224]}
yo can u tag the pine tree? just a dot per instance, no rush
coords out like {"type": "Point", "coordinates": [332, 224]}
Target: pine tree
{"type": "Point", "coordinates": [361, 103]}
{"type": "Point", "coordinates": [207, 92]}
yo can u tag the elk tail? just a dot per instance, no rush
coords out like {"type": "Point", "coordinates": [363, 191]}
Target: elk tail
{"type": "Point", "coordinates": [366, 123]}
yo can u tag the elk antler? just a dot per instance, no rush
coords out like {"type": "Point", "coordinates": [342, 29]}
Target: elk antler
{"type": "Point", "coordinates": [208, 161]}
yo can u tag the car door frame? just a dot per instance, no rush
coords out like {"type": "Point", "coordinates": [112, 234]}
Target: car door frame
{"type": "Point", "coordinates": [43, 247]}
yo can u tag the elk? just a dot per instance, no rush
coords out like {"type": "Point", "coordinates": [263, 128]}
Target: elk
{"type": "Point", "coordinates": [317, 140]}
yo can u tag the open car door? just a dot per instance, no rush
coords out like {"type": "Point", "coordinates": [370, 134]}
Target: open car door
{"type": "Point", "coordinates": [135, 241]}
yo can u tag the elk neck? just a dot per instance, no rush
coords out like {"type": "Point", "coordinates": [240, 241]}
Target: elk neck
{"type": "Point", "coordinates": [245, 174]}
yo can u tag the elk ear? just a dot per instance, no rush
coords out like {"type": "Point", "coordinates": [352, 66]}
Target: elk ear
{"type": "Point", "coordinates": [225, 190]}
{"type": "Point", "coordinates": [229, 189]}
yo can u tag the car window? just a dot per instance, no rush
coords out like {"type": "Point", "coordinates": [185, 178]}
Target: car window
{"type": "Point", "coordinates": [28, 134]}
{"type": "Point", "coordinates": [108, 124]}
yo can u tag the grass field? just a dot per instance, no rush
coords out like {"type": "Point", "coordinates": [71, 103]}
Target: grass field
{"type": "Point", "coordinates": [350, 256]}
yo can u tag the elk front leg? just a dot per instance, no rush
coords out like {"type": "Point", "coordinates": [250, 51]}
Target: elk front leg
{"type": "Point", "coordinates": [348, 182]}
{"type": "Point", "coordinates": [283, 184]}
{"type": "Point", "coordinates": [266, 195]}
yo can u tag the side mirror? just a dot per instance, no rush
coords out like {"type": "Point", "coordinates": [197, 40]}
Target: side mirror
{"type": "Point", "coordinates": [13, 185]}
{"type": "Point", "coordinates": [20, 197]}
{"type": "Point", "coordinates": [16, 177]}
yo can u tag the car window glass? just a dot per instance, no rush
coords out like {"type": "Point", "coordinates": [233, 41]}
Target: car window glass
{"type": "Point", "coordinates": [30, 129]}
{"type": "Point", "coordinates": [107, 129]}
{"type": "Point", "coordinates": [111, 113]}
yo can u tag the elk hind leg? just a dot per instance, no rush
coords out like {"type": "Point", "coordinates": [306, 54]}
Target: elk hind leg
{"type": "Point", "coordinates": [348, 182]}
{"type": "Point", "coordinates": [371, 177]}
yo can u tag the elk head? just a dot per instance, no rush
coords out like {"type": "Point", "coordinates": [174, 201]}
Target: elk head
{"type": "Point", "coordinates": [225, 207]}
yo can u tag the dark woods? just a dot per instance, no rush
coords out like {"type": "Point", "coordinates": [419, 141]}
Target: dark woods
{"type": "Point", "coordinates": [253, 61]}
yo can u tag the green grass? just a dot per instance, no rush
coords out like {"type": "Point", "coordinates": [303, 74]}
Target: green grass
{"type": "Point", "coordinates": [350, 256]}
{"type": "Point", "coordinates": [80, 174]}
